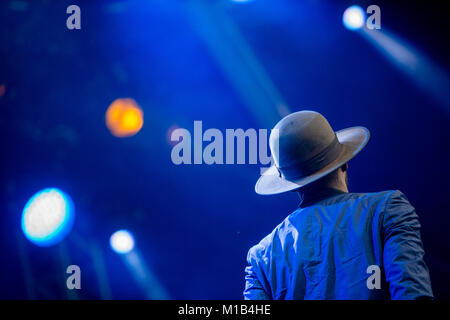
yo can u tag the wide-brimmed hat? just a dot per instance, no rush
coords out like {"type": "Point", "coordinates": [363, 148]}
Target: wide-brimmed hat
{"type": "Point", "coordinates": [305, 148]}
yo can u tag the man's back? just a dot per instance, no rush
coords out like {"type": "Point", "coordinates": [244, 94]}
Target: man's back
{"type": "Point", "coordinates": [323, 251]}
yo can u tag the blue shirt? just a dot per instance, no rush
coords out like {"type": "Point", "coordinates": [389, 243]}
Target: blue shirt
{"type": "Point", "coordinates": [344, 246]}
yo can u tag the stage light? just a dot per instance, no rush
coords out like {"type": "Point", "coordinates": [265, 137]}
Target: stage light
{"type": "Point", "coordinates": [124, 118]}
{"type": "Point", "coordinates": [122, 241]}
{"type": "Point", "coordinates": [169, 135]}
{"type": "Point", "coordinates": [48, 217]}
{"type": "Point", "coordinates": [241, 1]}
{"type": "Point", "coordinates": [2, 90]}
{"type": "Point", "coordinates": [354, 17]}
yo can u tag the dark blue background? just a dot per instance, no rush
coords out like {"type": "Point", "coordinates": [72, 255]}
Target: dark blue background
{"type": "Point", "coordinates": [194, 224]}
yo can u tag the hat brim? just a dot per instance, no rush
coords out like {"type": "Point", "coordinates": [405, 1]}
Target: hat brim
{"type": "Point", "coordinates": [353, 140]}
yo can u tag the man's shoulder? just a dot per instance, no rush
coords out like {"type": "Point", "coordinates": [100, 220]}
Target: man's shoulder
{"type": "Point", "coordinates": [384, 198]}
{"type": "Point", "coordinates": [285, 230]}
{"type": "Point", "coordinates": [385, 194]}
{"type": "Point", "coordinates": [279, 234]}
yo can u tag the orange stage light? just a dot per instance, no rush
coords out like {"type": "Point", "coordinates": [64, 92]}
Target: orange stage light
{"type": "Point", "coordinates": [124, 118]}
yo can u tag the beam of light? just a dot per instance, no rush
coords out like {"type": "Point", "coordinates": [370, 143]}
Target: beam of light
{"type": "Point", "coordinates": [65, 260]}
{"type": "Point", "coordinates": [124, 118]}
{"type": "Point", "coordinates": [94, 250]}
{"type": "Point", "coordinates": [48, 217]}
{"type": "Point", "coordinates": [238, 61]}
{"type": "Point", "coordinates": [353, 17]}
{"type": "Point", "coordinates": [122, 241]}
{"type": "Point", "coordinates": [424, 73]}
{"type": "Point", "coordinates": [144, 277]}
{"type": "Point", "coordinates": [27, 269]}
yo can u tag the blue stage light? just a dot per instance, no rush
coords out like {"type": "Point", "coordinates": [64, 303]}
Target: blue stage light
{"type": "Point", "coordinates": [354, 17]}
{"type": "Point", "coordinates": [122, 241]}
{"type": "Point", "coordinates": [48, 217]}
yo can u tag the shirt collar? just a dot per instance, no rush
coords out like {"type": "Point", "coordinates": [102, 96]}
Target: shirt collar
{"type": "Point", "coordinates": [319, 196]}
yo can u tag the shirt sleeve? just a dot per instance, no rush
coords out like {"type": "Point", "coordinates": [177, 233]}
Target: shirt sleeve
{"type": "Point", "coordinates": [254, 290]}
{"type": "Point", "coordinates": [406, 272]}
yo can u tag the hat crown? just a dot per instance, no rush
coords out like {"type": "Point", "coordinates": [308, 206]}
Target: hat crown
{"type": "Point", "coordinates": [300, 136]}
